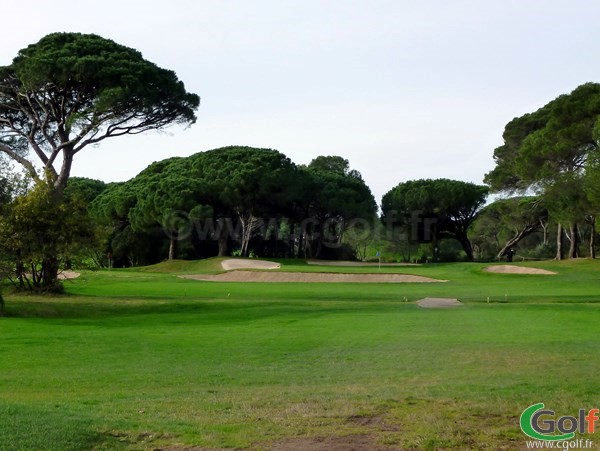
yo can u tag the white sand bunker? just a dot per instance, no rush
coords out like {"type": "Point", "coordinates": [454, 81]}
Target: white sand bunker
{"type": "Point", "coordinates": [512, 269]}
{"type": "Point", "coordinates": [439, 303]}
{"type": "Point", "coordinates": [351, 263]}
{"type": "Point", "coordinates": [68, 275]}
{"type": "Point", "coordinates": [257, 276]}
{"type": "Point", "coordinates": [242, 263]}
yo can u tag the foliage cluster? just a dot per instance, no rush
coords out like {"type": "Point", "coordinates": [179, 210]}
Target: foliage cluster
{"type": "Point", "coordinates": [235, 198]}
{"type": "Point", "coordinates": [553, 153]}
{"type": "Point", "coordinates": [60, 95]}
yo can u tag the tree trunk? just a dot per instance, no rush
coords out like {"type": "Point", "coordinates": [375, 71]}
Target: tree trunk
{"type": "Point", "coordinates": [435, 250]}
{"type": "Point", "coordinates": [223, 246]}
{"type": "Point", "coordinates": [310, 231]}
{"type": "Point", "coordinates": [173, 245]}
{"type": "Point", "coordinates": [310, 246]}
{"type": "Point", "coordinates": [467, 247]}
{"type": "Point", "coordinates": [301, 251]}
{"type": "Point", "coordinates": [61, 180]}
{"type": "Point", "coordinates": [574, 239]}
{"type": "Point", "coordinates": [20, 271]}
{"type": "Point", "coordinates": [460, 235]}
{"type": "Point", "coordinates": [519, 235]}
{"type": "Point", "coordinates": [246, 226]}
{"type": "Point", "coordinates": [312, 237]}
{"type": "Point", "coordinates": [48, 276]}
{"type": "Point", "coordinates": [544, 226]}
{"type": "Point", "coordinates": [592, 221]}
{"type": "Point", "coordinates": [250, 224]}
{"type": "Point", "coordinates": [291, 241]}
{"type": "Point", "coordinates": [559, 243]}
{"type": "Point", "coordinates": [222, 232]}
{"type": "Point", "coordinates": [318, 253]}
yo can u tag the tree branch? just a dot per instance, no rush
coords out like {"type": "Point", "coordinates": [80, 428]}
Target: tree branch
{"type": "Point", "coordinates": [21, 160]}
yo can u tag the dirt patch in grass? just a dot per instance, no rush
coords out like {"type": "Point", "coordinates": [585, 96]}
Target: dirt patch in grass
{"type": "Point", "coordinates": [374, 422]}
{"type": "Point", "coordinates": [243, 263]}
{"type": "Point", "coordinates": [188, 448]}
{"type": "Point", "coordinates": [512, 269]}
{"type": "Point", "coordinates": [257, 276]}
{"type": "Point", "coordinates": [357, 442]}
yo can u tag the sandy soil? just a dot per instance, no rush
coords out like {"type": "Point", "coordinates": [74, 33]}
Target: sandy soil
{"type": "Point", "coordinates": [256, 276]}
{"type": "Point", "coordinates": [66, 275]}
{"type": "Point", "coordinates": [242, 263]}
{"type": "Point", "coordinates": [512, 269]}
{"type": "Point", "coordinates": [439, 303]}
{"type": "Point", "coordinates": [349, 263]}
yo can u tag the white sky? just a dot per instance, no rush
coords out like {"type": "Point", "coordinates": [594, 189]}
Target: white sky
{"type": "Point", "coordinates": [403, 89]}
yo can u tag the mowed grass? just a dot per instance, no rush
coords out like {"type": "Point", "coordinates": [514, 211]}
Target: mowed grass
{"type": "Point", "coordinates": [141, 359]}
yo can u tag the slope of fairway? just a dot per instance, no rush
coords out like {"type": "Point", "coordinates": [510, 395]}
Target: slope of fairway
{"type": "Point", "coordinates": [181, 266]}
{"type": "Point", "coordinates": [577, 281]}
{"type": "Point", "coordinates": [136, 359]}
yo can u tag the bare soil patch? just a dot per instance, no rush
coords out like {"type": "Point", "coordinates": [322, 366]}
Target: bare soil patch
{"type": "Point", "coordinates": [512, 269]}
{"type": "Point", "coordinates": [258, 276]}
{"type": "Point", "coordinates": [242, 263]}
{"type": "Point", "coordinates": [374, 422]}
{"type": "Point", "coordinates": [357, 442]}
{"type": "Point", "coordinates": [439, 303]}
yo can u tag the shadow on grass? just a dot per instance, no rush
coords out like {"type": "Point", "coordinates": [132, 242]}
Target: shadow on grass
{"type": "Point", "coordinates": [52, 427]}
{"type": "Point", "coordinates": [215, 311]}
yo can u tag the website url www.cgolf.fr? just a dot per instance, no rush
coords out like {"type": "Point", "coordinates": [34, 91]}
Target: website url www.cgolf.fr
{"type": "Point", "coordinates": [564, 445]}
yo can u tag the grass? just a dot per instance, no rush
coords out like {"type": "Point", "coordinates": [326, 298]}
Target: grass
{"type": "Point", "coordinates": [140, 359]}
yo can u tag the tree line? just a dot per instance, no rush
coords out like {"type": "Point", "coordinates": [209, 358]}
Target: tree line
{"type": "Point", "coordinates": [70, 91]}
{"type": "Point", "coordinates": [553, 153]}
{"type": "Point", "coordinates": [253, 201]}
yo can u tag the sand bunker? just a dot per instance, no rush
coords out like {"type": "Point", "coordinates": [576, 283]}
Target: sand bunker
{"type": "Point", "coordinates": [439, 303]}
{"type": "Point", "coordinates": [512, 269]}
{"type": "Point", "coordinates": [350, 263]}
{"type": "Point", "coordinates": [242, 263]}
{"type": "Point", "coordinates": [67, 275]}
{"type": "Point", "coordinates": [257, 276]}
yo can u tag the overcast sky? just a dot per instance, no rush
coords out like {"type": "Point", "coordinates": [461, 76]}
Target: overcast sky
{"type": "Point", "coordinates": [403, 89]}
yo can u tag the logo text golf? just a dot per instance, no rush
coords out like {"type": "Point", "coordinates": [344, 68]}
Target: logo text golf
{"type": "Point", "coordinates": [541, 424]}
